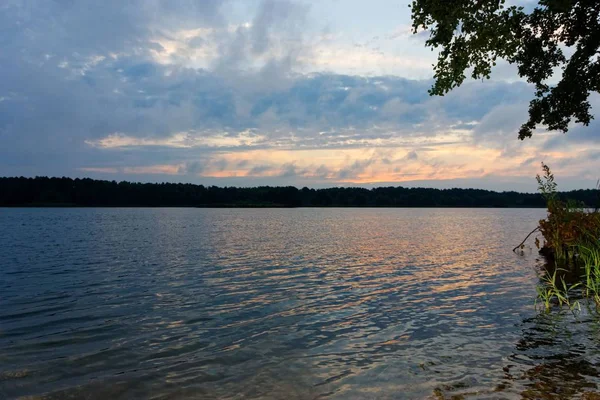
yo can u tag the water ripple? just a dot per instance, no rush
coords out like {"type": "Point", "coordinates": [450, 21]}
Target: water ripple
{"type": "Point", "coordinates": [273, 304]}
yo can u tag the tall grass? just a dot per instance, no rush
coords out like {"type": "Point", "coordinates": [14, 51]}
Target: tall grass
{"type": "Point", "coordinates": [590, 256]}
{"type": "Point", "coordinates": [554, 291]}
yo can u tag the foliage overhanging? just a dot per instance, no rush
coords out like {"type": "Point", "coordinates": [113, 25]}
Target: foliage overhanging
{"type": "Point", "coordinates": [556, 35]}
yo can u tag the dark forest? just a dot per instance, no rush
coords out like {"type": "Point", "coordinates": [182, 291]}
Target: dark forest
{"type": "Point", "coordinates": [42, 191]}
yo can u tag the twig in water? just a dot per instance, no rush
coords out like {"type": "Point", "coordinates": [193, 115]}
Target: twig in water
{"type": "Point", "coordinates": [526, 237]}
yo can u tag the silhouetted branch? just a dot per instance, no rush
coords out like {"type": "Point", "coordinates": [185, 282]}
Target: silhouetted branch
{"type": "Point", "coordinates": [526, 237]}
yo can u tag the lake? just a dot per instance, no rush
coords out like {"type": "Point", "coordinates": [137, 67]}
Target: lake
{"type": "Point", "coordinates": [281, 304]}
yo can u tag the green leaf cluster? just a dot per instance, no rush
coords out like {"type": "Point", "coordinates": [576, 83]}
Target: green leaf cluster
{"type": "Point", "coordinates": [557, 35]}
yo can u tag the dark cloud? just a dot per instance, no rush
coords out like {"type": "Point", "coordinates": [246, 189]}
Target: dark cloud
{"type": "Point", "coordinates": [354, 169]}
{"type": "Point", "coordinates": [322, 172]}
{"type": "Point", "coordinates": [412, 156]}
{"type": "Point", "coordinates": [289, 171]}
{"type": "Point", "coordinates": [259, 170]}
{"type": "Point", "coordinates": [192, 168]}
{"type": "Point", "coordinates": [220, 165]}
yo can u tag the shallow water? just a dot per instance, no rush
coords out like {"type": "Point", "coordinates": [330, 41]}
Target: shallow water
{"type": "Point", "coordinates": [281, 303]}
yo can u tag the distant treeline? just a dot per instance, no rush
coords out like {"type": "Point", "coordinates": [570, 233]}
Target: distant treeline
{"type": "Point", "coordinates": [42, 191]}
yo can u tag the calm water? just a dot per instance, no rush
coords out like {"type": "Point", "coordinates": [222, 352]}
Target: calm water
{"type": "Point", "coordinates": [281, 304]}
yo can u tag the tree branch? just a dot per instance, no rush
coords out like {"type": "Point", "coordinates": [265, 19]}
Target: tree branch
{"type": "Point", "coordinates": [526, 237]}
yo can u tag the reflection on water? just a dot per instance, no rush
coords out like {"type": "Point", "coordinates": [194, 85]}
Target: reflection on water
{"type": "Point", "coordinates": [295, 304]}
{"type": "Point", "coordinates": [557, 356]}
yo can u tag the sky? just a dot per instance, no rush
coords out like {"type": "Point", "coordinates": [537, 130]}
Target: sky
{"type": "Point", "coordinates": [316, 93]}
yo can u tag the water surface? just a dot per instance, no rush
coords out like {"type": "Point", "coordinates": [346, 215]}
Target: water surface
{"type": "Point", "coordinates": [281, 303]}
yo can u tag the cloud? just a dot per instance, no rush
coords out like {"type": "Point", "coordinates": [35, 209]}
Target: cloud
{"type": "Point", "coordinates": [354, 169]}
{"type": "Point", "coordinates": [288, 171]}
{"type": "Point", "coordinates": [258, 170]}
{"type": "Point", "coordinates": [68, 28]}
{"type": "Point", "coordinates": [192, 90]}
{"type": "Point", "coordinates": [412, 156]}
{"type": "Point", "coordinates": [191, 168]}
{"type": "Point", "coordinates": [578, 134]}
{"type": "Point", "coordinates": [501, 122]}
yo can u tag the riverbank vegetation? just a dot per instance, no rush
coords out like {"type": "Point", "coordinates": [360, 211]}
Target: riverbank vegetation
{"type": "Point", "coordinates": [570, 246]}
{"type": "Point", "coordinates": [57, 192]}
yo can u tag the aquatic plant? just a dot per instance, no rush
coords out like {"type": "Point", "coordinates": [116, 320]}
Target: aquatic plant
{"type": "Point", "coordinates": [551, 291]}
{"type": "Point", "coordinates": [590, 256]}
{"type": "Point", "coordinates": [571, 234]}
{"type": "Point", "coordinates": [554, 289]}
{"type": "Point", "coordinates": [568, 223]}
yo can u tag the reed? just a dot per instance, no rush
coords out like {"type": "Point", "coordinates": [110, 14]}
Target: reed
{"type": "Point", "coordinates": [590, 257]}
{"type": "Point", "coordinates": [554, 290]}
